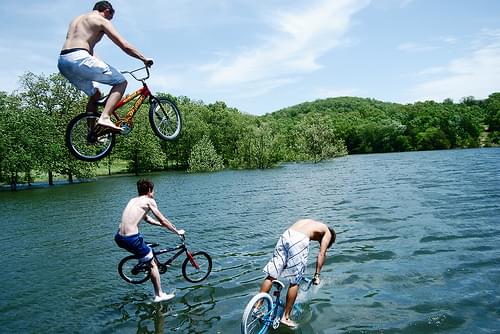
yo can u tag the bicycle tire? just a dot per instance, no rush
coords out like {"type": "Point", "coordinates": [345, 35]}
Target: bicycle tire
{"type": "Point", "coordinates": [252, 320]}
{"type": "Point", "coordinates": [193, 274]}
{"type": "Point", "coordinates": [82, 141]}
{"type": "Point", "coordinates": [126, 270]}
{"type": "Point", "coordinates": [165, 118]}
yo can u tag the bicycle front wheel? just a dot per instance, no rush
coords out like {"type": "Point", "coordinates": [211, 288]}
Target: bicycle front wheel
{"type": "Point", "coordinates": [257, 311]}
{"type": "Point", "coordinates": [165, 118]}
{"type": "Point", "coordinates": [84, 142]}
{"type": "Point", "coordinates": [133, 272]}
{"type": "Point", "coordinates": [196, 267]}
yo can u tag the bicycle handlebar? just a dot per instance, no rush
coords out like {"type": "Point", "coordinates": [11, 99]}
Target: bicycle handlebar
{"type": "Point", "coordinates": [182, 234]}
{"type": "Point", "coordinates": [308, 282]}
{"type": "Point", "coordinates": [136, 70]}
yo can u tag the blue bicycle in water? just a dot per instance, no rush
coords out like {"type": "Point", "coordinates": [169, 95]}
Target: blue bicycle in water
{"type": "Point", "coordinates": [263, 312]}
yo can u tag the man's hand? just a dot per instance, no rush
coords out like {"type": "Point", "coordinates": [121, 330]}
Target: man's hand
{"type": "Point", "coordinates": [148, 62]}
{"type": "Point", "coordinates": [316, 279]}
{"type": "Point", "coordinates": [181, 232]}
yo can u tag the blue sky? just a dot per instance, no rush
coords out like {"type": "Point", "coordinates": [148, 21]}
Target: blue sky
{"type": "Point", "coordinates": [261, 56]}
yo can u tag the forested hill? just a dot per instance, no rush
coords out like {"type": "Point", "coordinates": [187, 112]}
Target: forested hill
{"type": "Point", "coordinates": [337, 105]}
{"type": "Point", "coordinates": [369, 125]}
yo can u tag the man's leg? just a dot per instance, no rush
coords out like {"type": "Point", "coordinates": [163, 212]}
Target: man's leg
{"type": "Point", "coordinates": [291, 295]}
{"type": "Point", "coordinates": [92, 103]}
{"type": "Point", "coordinates": [115, 95]}
{"type": "Point", "coordinates": [155, 278]}
{"type": "Point", "coordinates": [266, 284]}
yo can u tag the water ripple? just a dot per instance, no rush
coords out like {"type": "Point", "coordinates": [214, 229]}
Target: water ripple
{"type": "Point", "coordinates": [417, 250]}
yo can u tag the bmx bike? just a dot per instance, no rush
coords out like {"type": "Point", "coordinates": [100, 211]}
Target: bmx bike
{"type": "Point", "coordinates": [88, 141]}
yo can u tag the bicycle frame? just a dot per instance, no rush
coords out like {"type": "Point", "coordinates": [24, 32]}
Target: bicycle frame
{"type": "Point", "coordinates": [182, 248]}
{"type": "Point", "coordinates": [141, 94]}
{"type": "Point", "coordinates": [272, 315]}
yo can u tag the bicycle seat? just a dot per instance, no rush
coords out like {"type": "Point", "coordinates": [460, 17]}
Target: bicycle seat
{"type": "Point", "coordinates": [278, 284]}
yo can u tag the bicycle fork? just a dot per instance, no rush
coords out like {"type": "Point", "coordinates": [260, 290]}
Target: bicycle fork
{"type": "Point", "coordinates": [191, 259]}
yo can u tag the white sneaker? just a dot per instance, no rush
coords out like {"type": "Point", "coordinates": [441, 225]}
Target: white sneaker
{"type": "Point", "coordinates": [164, 297]}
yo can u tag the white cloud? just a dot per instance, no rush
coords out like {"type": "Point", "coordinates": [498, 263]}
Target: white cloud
{"type": "Point", "coordinates": [297, 39]}
{"type": "Point", "coordinates": [475, 75]}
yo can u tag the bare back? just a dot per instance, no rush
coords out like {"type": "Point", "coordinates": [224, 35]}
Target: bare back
{"type": "Point", "coordinates": [313, 229]}
{"type": "Point", "coordinates": [85, 31]}
{"type": "Point", "coordinates": [135, 211]}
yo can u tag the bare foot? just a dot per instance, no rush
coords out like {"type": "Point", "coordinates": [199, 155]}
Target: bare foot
{"type": "Point", "coordinates": [108, 124]}
{"type": "Point", "coordinates": [290, 323]}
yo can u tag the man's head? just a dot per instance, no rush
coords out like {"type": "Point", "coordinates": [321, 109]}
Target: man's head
{"type": "Point", "coordinates": [334, 236]}
{"type": "Point", "coordinates": [144, 187]}
{"type": "Point", "coordinates": [106, 8]}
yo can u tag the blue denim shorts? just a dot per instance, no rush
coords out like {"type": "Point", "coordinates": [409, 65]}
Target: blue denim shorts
{"type": "Point", "coordinates": [84, 71]}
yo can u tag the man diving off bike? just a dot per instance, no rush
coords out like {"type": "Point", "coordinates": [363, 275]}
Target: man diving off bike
{"type": "Point", "coordinates": [290, 259]}
{"type": "Point", "coordinates": [78, 64]}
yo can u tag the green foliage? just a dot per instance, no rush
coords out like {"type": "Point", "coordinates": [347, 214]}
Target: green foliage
{"type": "Point", "coordinates": [141, 148]}
{"type": "Point", "coordinates": [214, 136]}
{"type": "Point", "coordinates": [204, 158]}
{"type": "Point", "coordinates": [493, 112]}
{"type": "Point", "coordinates": [318, 140]}
{"type": "Point", "coordinates": [257, 146]}
{"type": "Point", "coordinates": [371, 126]}
{"type": "Point", "coordinates": [35, 122]}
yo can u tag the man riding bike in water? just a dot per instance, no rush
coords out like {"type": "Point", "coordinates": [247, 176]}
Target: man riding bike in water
{"type": "Point", "coordinates": [78, 64]}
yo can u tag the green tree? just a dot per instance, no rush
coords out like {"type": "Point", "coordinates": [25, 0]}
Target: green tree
{"type": "Point", "coordinates": [257, 147]}
{"type": "Point", "coordinates": [318, 141]}
{"type": "Point", "coordinates": [141, 148]}
{"type": "Point", "coordinates": [432, 138]}
{"type": "Point", "coordinates": [204, 158]}
{"type": "Point", "coordinates": [48, 103]}
{"type": "Point", "coordinates": [15, 140]}
{"type": "Point", "coordinates": [492, 107]}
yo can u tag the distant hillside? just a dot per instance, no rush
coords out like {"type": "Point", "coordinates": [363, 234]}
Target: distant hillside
{"type": "Point", "coordinates": [338, 105]}
{"type": "Point", "coordinates": [368, 125]}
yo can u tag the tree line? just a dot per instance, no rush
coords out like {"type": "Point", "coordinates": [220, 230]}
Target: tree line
{"type": "Point", "coordinates": [33, 122]}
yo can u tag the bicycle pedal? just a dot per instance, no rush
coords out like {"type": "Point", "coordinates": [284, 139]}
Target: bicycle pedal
{"type": "Point", "coordinates": [162, 269]}
{"type": "Point", "coordinates": [125, 129]}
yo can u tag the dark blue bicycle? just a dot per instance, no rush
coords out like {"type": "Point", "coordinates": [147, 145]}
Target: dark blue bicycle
{"type": "Point", "coordinates": [195, 268]}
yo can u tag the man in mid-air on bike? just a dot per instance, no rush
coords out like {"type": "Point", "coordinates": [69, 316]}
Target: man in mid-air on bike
{"type": "Point", "coordinates": [290, 259]}
{"type": "Point", "coordinates": [128, 235]}
{"type": "Point", "coordinates": [78, 64]}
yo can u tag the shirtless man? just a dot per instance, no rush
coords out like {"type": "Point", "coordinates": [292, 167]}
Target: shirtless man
{"type": "Point", "coordinates": [290, 259]}
{"type": "Point", "coordinates": [78, 64]}
{"type": "Point", "coordinates": [128, 235]}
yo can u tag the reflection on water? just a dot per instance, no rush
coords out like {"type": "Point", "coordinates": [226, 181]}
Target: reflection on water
{"type": "Point", "coordinates": [417, 250]}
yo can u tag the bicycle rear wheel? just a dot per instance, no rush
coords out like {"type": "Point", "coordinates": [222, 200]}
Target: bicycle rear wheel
{"type": "Point", "coordinates": [165, 118]}
{"type": "Point", "coordinates": [254, 316]}
{"type": "Point", "coordinates": [196, 267]}
{"type": "Point", "coordinates": [84, 142]}
{"type": "Point", "coordinates": [130, 270]}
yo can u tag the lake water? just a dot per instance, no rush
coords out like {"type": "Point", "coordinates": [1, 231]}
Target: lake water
{"type": "Point", "coordinates": [418, 247]}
